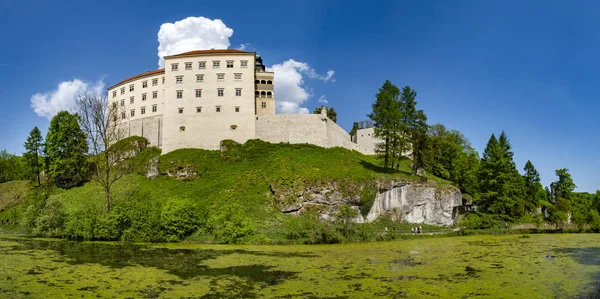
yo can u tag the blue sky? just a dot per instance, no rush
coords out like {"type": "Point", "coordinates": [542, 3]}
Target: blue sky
{"type": "Point", "coordinates": [526, 67]}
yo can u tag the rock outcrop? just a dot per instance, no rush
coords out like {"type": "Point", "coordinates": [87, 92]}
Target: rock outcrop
{"type": "Point", "coordinates": [414, 202]}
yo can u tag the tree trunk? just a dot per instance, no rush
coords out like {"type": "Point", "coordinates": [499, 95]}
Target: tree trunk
{"type": "Point", "coordinates": [39, 183]}
{"type": "Point", "coordinates": [106, 201]}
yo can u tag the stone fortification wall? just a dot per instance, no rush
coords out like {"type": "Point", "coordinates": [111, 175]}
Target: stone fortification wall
{"type": "Point", "coordinates": [302, 128]}
{"type": "Point", "coordinates": [149, 127]}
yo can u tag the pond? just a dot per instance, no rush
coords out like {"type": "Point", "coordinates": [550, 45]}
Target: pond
{"type": "Point", "coordinates": [506, 266]}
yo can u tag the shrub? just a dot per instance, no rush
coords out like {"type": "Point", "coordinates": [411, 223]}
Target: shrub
{"type": "Point", "coordinates": [475, 220]}
{"type": "Point", "coordinates": [229, 225]}
{"type": "Point", "coordinates": [180, 219]}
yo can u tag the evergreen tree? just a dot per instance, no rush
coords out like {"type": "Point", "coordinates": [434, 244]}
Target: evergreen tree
{"type": "Point", "coordinates": [353, 131]}
{"type": "Point", "coordinates": [562, 190]}
{"type": "Point", "coordinates": [534, 191]}
{"type": "Point", "coordinates": [386, 117]}
{"type": "Point", "coordinates": [65, 150]}
{"type": "Point", "coordinates": [412, 131]}
{"type": "Point", "coordinates": [33, 149]}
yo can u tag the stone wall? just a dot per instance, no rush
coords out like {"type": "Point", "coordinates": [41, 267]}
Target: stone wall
{"type": "Point", "coordinates": [149, 127]}
{"type": "Point", "coordinates": [302, 128]}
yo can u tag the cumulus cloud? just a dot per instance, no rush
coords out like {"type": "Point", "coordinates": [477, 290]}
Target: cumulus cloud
{"type": "Point", "coordinates": [323, 100]}
{"type": "Point", "coordinates": [49, 103]}
{"type": "Point", "coordinates": [243, 46]}
{"type": "Point", "coordinates": [290, 89]}
{"type": "Point", "coordinates": [192, 33]}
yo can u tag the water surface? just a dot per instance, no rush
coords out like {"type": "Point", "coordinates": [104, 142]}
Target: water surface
{"type": "Point", "coordinates": [540, 266]}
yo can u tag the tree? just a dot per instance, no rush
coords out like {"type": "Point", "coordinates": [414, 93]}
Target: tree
{"type": "Point", "coordinates": [330, 113]}
{"type": "Point", "coordinates": [65, 150]}
{"type": "Point", "coordinates": [11, 167]}
{"type": "Point", "coordinates": [100, 122]}
{"type": "Point", "coordinates": [353, 131]}
{"type": "Point", "coordinates": [562, 190]}
{"type": "Point", "coordinates": [534, 191]}
{"type": "Point", "coordinates": [386, 117]}
{"type": "Point", "coordinates": [502, 187]}
{"type": "Point", "coordinates": [34, 148]}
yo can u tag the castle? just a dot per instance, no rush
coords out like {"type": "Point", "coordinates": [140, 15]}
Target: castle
{"type": "Point", "coordinates": [203, 97]}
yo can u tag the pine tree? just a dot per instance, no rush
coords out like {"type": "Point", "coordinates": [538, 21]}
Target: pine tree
{"type": "Point", "coordinates": [34, 147]}
{"type": "Point", "coordinates": [562, 190]}
{"type": "Point", "coordinates": [386, 117]}
{"type": "Point", "coordinates": [534, 191]}
{"type": "Point", "coordinates": [412, 130]}
{"type": "Point", "coordinates": [66, 149]}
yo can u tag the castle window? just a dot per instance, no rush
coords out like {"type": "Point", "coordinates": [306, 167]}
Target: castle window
{"type": "Point", "coordinates": [244, 64]}
{"type": "Point", "coordinates": [180, 94]}
{"type": "Point", "coordinates": [198, 109]}
{"type": "Point", "coordinates": [155, 94]}
{"type": "Point", "coordinates": [144, 84]}
{"type": "Point", "coordinates": [179, 79]}
{"type": "Point", "coordinates": [216, 64]}
{"type": "Point", "coordinates": [131, 87]}
{"type": "Point", "coordinates": [155, 82]}
{"type": "Point", "coordinates": [188, 66]}
{"type": "Point", "coordinates": [233, 127]}
{"type": "Point", "coordinates": [238, 92]}
{"type": "Point", "coordinates": [182, 129]}
{"type": "Point", "coordinates": [163, 80]}
{"type": "Point", "coordinates": [220, 92]}
{"type": "Point", "coordinates": [201, 64]}
{"type": "Point", "coordinates": [154, 108]}
{"type": "Point", "coordinates": [237, 108]}
{"type": "Point", "coordinates": [269, 82]}
{"type": "Point", "coordinates": [263, 82]}
{"type": "Point", "coordinates": [131, 100]}
{"type": "Point", "coordinates": [122, 103]}
{"type": "Point", "coordinates": [198, 93]}
{"type": "Point", "coordinates": [257, 93]}
{"type": "Point", "coordinates": [257, 82]}
{"type": "Point", "coordinates": [237, 77]}
{"type": "Point", "coordinates": [174, 67]}
{"type": "Point", "coordinates": [269, 94]}
{"type": "Point", "coordinates": [132, 112]}
{"type": "Point", "coordinates": [123, 115]}
{"type": "Point", "coordinates": [143, 96]}
{"type": "Point", "coordinates": [229, 64]}
{"type": "Point", "coordinates": [180, 110]}
{"type": "Point", "coordinates": [263, 105]}
{"type": "Point", "coordinates": [114, 93]}
{"type": "Point", "coordinates": [263, 94]}
{"type": "Point", "coordinates": [218, 108]}
{"type": "Point", "coordinates": [220, 77]}
{"type": "Point", "coordinates": [143, 110]}
{"type": "Point", "coordinates": [199, 78]}
{"type": "Point", "coordinates": [122, 90]}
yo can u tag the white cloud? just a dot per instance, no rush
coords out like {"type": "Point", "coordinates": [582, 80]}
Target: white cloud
{"type": "Point", "coordinates": [290, 90]}
{"type": "Point", "coordinates": [192, 33]}
{"type": "Point", "coordinates": [243, 46]}
{"type": "Point", "coordinates": [63, 97]}
{"type": "Point", "coordinates": [323, 100]}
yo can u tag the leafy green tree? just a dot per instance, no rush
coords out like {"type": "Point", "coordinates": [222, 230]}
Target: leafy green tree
{"type": "Point", "coordinates": [12, 167]}
{"type": "Point", "coordinates": [66, 149]}
{"type": "Point", "coordinates": [331, 114]}
{"type": "Point", "coordinates": [386, 117]}
{"type": "Point", "coordinates": [34, 147]}
{"type": "Point", "coordinates": [534, 191]}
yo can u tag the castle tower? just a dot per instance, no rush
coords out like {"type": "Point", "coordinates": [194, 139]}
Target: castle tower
{"type": "Point", "coordinates": [263, 89]}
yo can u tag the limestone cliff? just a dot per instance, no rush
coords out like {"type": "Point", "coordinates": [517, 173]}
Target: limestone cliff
{"type": "Point", "coordinates": [411, 201]}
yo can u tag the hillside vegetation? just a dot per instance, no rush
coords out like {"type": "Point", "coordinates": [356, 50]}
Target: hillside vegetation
{"type": "Point", "coordinates": [210, 195]}
{"type": "Point", "coordinates": [11, 193]}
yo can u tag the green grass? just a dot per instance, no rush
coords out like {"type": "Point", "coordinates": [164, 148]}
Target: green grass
{"type": "Point", "coordinates": [11, 193]}
{"type": "Point", "coordinates": [241, 176]}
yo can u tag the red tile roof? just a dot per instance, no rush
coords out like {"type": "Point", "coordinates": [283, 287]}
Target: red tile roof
{"type": "Point", "coordinates": [209, 52]}
{"type": "Point", "coordinates": [146, 74]}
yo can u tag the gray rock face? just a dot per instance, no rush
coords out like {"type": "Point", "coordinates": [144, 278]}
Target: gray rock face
{"type": "Point", "coordinates": [417, 204]}
{"type": "Point", "coordinates": [412, 202]}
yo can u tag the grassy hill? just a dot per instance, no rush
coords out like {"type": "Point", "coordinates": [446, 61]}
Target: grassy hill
{"type": "Point", "coordinates": [11, 193]}
{"type": "Point", "coordinates": [221, 193]}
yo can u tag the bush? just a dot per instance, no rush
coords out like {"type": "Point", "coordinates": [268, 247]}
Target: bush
{"type": "Point", "coordinates": [229, 225]}
{"type": "Point", "coordinates": [180, 219]}
{"type": "Point", "coordinates": [310, 230]}
{"type": "Point", "coordinates": [475, 220]}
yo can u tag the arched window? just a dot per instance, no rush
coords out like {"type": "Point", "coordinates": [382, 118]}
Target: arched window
{"type": "Point", "coordinates": [257, 93]}
{"type": "Point", "coordinates": [269, 82]}
{"type": "Point", "coordinates": [263, 82]}
{"type": "Point", "coordinates": [269, 94]}
{"type": "Point", "coordinates": [257, 82]}
{"type": "Point", "coordinates": [263, 94]}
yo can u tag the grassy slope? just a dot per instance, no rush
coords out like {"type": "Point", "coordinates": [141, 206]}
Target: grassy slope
{"type": "Point", "coordinates": [243, 178]}
{"type": "Point", "coordinates": [11, 193]}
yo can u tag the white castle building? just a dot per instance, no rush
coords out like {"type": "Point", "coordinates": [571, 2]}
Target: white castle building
{"type": "Point", "coordinates": [203, 97]}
